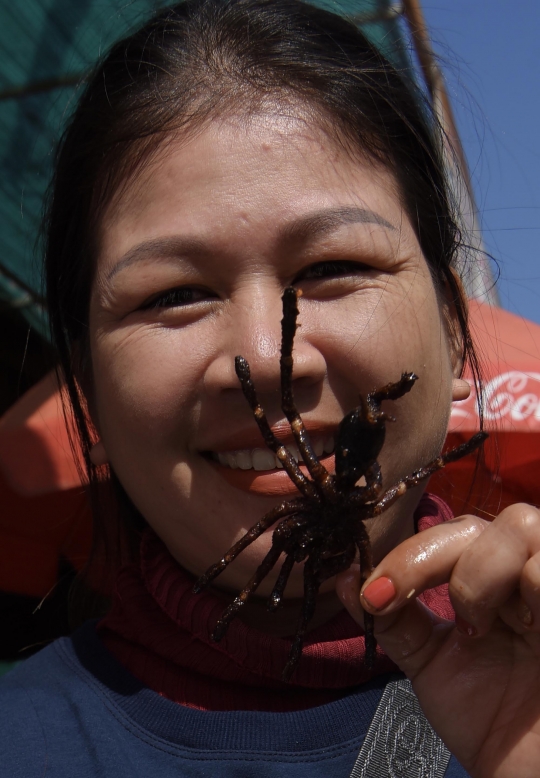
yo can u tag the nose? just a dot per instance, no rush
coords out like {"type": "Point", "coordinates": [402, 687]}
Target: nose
{"type": "Point", "coordinates": [253, 331]}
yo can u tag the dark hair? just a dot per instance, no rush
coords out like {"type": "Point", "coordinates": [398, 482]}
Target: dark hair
{"type": "Point", "coordinates": [204, 58]}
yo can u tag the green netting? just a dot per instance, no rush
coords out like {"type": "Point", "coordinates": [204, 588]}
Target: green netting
{"type": "Point", "coordinates": [46, 46]}
{"type": "Point", "coordinates": [5, 667]}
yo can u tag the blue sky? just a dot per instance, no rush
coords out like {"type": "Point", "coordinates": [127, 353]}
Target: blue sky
{"type": "Point", "coordinates": [491, 59]}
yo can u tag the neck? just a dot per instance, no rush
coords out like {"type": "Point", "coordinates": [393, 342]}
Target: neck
{"type": "Point", "coordinates": [283, 623]}
{"type": "Point", "coordinates": [162, 633]}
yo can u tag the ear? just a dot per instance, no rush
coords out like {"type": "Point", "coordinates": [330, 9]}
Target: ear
{"type": "Point", "coordinates": [461, 389]}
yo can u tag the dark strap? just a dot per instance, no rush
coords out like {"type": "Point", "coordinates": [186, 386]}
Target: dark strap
{"type": "Point", "coordinates": [400, 742]}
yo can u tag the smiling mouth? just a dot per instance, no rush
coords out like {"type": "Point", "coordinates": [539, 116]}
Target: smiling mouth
{"type": "Point", "coordinates": [260, 459]}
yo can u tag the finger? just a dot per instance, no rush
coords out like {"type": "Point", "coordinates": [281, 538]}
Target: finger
{"type": "Point", "coordinates": [516, 614]}
{"type": "Point", "coordinates": [530, 589]}
{"type": "Point", "coordinates": [348, 591]}
{"type": "Point", "coordinates": [410, 636]}
{"type": "Point", "coordinates": [419, 563]}
{"type": "Point", "coordinates": [521, 612]}
{"type": "Point", "coordinates": [490, 570]}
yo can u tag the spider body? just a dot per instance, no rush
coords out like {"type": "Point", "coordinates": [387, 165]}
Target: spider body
{"type": "Point", "coordinates": [325, 527]}
{"type": "Point", "coordinates": [359, 441]}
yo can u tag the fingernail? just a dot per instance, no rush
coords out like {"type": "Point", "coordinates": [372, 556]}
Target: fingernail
{"type": "Point", "coordinates": [464, 627]}
{"type": "Point", "coordinates": [380, 593]}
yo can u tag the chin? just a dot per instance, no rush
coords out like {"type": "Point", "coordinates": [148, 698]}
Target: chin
{"type": "Point", "coordinates": [232, 581]}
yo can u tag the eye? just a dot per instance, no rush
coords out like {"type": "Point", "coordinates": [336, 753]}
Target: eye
{"type": "Point", "coordinates": [174, 298]}
{"type": "Point", "coordinates": [332, 269]}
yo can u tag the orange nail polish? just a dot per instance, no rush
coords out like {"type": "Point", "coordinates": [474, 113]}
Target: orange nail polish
{"type": "Point", "coordinates": [464, 627]}
{"type": "Point", "coordinates": [380, 593]}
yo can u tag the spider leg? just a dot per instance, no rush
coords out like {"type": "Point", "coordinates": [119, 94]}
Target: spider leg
{"type": "Point", "coordinates": [409, 481]}
{"type": "Point", "coordinates": [288, 529]}
{"type": "Point", "coordinates": [302, 483]}
{"type": "Point", "coordinates": [251, 535]}
{"type": "Point", "coordinates": [465, 448]}
{"type": "Point", "coordinates": [366, 566]}
{"type": "Point", "coordinates": [261, 572]}
{"type": "Point", "coordinates": [360, 495]}
{"type": "Point", "coordinates": [274, 601]}
{"type": "Point", "coordinates": [392, 391]}
{"type": "Point", "coordinates": [311, 589]}
{"type": "Point", "coordinates": [317, 471]}
{"type": "Point", "coordinates": [374, 482]}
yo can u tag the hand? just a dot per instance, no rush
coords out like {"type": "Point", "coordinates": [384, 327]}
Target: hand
{"type": "Point", "coordinates": [478, 679]}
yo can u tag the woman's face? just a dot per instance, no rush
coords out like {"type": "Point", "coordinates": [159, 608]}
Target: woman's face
{"type": "Point", "coordinates": [194, 258]}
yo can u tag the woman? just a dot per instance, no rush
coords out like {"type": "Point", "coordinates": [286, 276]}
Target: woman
{"type": "Point", "coordinates": [222, 153]}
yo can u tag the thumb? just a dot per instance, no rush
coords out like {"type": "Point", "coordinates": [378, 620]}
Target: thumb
{"type": "Point", "coordinates": [411, 635]}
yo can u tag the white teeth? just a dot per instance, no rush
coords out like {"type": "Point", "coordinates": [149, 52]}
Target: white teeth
{"type": "Point", "coordinates": [231, 460]}
{"type": "Point", "coordinates": [295, 452]}
{"type": "Point", "coordinates": [243, 459]}
{"type": "Point", "coordinates": [263, 459]}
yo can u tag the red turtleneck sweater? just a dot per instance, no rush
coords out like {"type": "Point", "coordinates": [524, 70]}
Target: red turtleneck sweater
{"type": "Point", "coordinates": [161, 632]}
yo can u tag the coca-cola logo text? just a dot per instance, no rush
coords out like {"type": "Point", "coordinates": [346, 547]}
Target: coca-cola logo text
{"type": "Point", "coordinates": [513, 397]}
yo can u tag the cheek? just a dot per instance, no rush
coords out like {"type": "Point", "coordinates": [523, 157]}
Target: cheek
{"type": "Point", "coordinates": [375, 337]}
{"type": "Point", "coordinates": [144, 388]}
{"type": "Point", "coordinates": [376, 344]}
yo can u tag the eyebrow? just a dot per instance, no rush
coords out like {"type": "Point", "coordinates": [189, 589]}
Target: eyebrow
{"type": "Point", "coordinates": [315, 225]}
{"type": "Point", "coordinates": [164, 248]}
{"type": "Point", "coordinates": [304, 229]}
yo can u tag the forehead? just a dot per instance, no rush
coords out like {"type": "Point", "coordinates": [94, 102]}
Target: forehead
{"type": "Point", "coordinates": [238, 177]}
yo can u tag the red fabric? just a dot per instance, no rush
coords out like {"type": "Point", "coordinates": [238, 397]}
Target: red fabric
{"type": "Point", "coordinates": [431, 511]}
{"type": "Point", "coordinates": [509, 347]}
{"type": "Point", "coordinates": [36, 531]}
{"type": "Point", "coordinates": [161, 632]}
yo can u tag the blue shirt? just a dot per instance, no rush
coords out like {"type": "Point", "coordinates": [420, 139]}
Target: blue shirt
{"type": "Point", "coordinates": [72, 711]}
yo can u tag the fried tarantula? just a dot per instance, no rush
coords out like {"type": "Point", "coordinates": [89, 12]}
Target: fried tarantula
{"type": "Point", "coordinates": [325, 526]}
